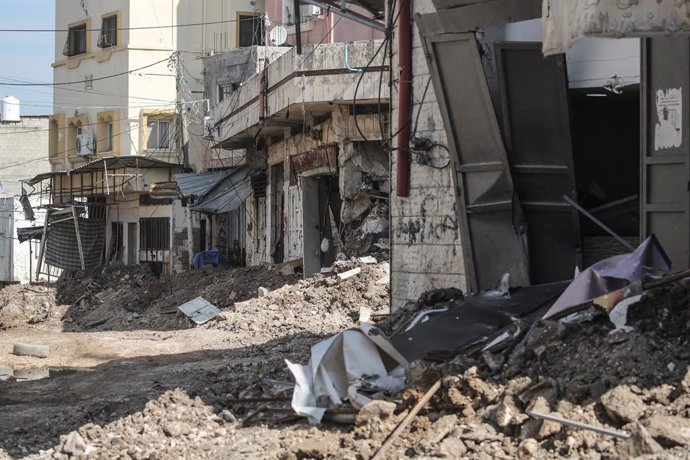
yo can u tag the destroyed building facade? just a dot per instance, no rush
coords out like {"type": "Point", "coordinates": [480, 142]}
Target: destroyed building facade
{"type": "Point", "coordinates": [503, 141]}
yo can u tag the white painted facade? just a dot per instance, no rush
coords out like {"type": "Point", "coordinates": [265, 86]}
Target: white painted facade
{"type": "Point", "coordinates": [18, 260]}
{"type": "Point", "coordinates": [23, 151]}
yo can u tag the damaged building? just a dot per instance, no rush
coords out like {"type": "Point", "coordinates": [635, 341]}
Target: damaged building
{"type": "Point", "coordinates": [532, 165]}
{"type": "Point", "coordinates": [310, 128]}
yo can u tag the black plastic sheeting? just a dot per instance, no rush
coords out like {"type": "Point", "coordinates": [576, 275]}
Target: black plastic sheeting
{"type": "Point", "coordinates": [475, 320]}
{"type": "Point", "coordinates": [28, 233]}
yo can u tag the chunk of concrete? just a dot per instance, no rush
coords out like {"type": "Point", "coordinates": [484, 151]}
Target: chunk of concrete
{"type": "Point", "coordinates": [639, 443]}
{"type": "Point", "coordinates": [622, 405]}
{"type": "Point", "coordinates": [669, 430]}
{"type": "Point", "coordinates": [29, 349]}
{"type": "Point", "coordinates": [74, 444]}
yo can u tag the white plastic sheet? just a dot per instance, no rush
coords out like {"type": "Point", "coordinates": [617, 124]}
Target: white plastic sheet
{"type": "Point", "coordinates": [340, 367]}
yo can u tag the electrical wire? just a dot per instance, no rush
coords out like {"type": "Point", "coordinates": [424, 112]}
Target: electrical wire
{"type": "Point", "coordinates": [79, 82]}
{"type": "Point", "coordinates": [167, 26]}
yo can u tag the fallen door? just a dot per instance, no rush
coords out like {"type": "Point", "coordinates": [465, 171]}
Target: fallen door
{"type": "Point", "coordinates": [488, 208]}
{"type": "Point", "coordinates": [536, 127]}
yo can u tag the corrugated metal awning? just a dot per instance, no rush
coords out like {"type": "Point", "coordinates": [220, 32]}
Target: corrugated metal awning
{"type": "Point", "coordinates": [194, 185]}
{"type": "Point", "coordinates": [226, 195]}
{"type": "Point", "coordinates": [128, 161]}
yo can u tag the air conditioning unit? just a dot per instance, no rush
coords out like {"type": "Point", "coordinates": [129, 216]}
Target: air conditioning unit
{"type": "Point", "coordinates": [306, 11]}
{"type": "Point", "coordinates": [85, 144]}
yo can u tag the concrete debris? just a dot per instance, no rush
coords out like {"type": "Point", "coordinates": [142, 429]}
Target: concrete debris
{"type": "Point", "coordinates": [590, 394]}
{"type": "Point", "coordinates": [30, 349]}
{"type": "Point", "coordinates": [640, 443]}
{"type": "Point", "coordinates": [622, 405]}
{"type": "Point", "coordinates": [669, 430]}
{"type": "Point", "coordinates": [349, 273]}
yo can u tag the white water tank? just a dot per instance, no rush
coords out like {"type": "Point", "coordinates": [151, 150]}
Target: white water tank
{"type": "Point", "coordinates": [9, 113]}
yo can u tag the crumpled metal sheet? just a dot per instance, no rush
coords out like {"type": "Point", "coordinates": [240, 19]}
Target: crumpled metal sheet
{"type": "Point", "coordinates": [612, 274]}
{"type": "Point", "coordinates": [343, 365]}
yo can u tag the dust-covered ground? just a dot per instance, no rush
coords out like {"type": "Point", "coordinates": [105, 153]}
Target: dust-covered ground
{"type": "Point", "coordinates": [146, 384]}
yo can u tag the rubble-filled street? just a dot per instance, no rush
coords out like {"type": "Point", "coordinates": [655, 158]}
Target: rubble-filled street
{"type": "Point", "coordinates": [128, 376]}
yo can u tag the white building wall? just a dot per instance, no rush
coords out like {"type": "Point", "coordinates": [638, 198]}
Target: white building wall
{"type": "Point", "coordinates": [23, 151]}
{"type": "Point", "coordinates": [592, 62]}
{"type": "Point", "coordinates": [18, 261]}
{"type": "Point", "coordinates": [426, 250]}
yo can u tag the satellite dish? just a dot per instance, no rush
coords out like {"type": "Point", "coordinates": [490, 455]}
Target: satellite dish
{"type": "Point", "coordinates": [278, 35]}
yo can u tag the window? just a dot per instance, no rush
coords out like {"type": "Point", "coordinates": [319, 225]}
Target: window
{"type": "Point", "coordinates": [107, 132]}
{"type": "Point", "coordinates": [108, 139]}
{"type": "Point", "coordinates": [225, 90]}
{"type": "Point", "coordinates": [154, 233]}
{"type": "Point", "coordinates": [108, 36]}
{"type": "Point", "coordinates": [158, 135]}
{"type": "Point", "coordinates": [76, 41]}
{"type": "Point", "coordinates": [251, 30]}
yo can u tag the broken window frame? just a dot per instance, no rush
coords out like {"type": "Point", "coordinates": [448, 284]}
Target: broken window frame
{"type": "Point", "coordinates": [258, 29]}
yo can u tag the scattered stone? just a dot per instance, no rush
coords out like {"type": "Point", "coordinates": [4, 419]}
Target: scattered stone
{"type": "Point", "coordinates": [639, 443]}
{"type": "Point", "coordinates": [375, 410]}
{"type": "Point", "coordinates": [74, 444]}
{"type": "Point", "coordinates": [528, 447]}
{"type": "Point", "coordinates": [263, 292]}
{"type": "Point", "coordinates": [28, 349]}
{"type": "Point", "coordinates": [228, 416]}
{"type": "Point", "coordinates": [669, 429]}
{"type": "Point", "coordinates": [622, 405]}
{"type": "Point", "coordinates": [452, 447]}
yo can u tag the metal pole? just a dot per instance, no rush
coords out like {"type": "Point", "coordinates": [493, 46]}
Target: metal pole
{"type": "Point", "coordinates": [298, 26]}
{"type": "Point", "coordinates": [76, 229]}
{"type": "Point", "coordinates": [584, 426]}
{"type": "Point", "coordinates": [43, 245]}
{"type": "Point", "coordinates": [598, 222]}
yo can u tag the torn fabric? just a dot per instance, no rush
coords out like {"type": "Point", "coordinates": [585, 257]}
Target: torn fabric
{"type": "Point", "coordinates": [341, 367]}
{"type": "Point", "coordinates": [611, 274]}
{"type": "Point", "coordinates": [566, 21]}
{"type": "Point", "coordinates": [62, 248]}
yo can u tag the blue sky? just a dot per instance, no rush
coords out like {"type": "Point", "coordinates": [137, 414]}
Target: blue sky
{"type": "Point", "coordinates": [26, 56]}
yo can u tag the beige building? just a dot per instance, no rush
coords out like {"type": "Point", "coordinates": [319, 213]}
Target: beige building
{"type": "Point", "coordinates": [128, 111]}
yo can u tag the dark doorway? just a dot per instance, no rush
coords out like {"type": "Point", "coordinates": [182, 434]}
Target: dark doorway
{"type": "Point", "coordinates": [116, 241]}
{"type": "Point", "coordinates": [132, 243]}
{"type": "Point", "coordinates": [606, 144]}
{"type": "Point", "coordinates": [202, 234]}
{"type": "Point", "coordinates": [278, 199]}
{"type": "Point", "coordinates": [321, 221]}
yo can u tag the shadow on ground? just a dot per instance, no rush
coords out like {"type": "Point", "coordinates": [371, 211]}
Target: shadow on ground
{"type": "Point", "coordinates": [34, 414]}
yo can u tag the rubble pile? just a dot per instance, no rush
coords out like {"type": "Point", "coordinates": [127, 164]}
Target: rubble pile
{"type": "Point", "coordinates": [22, 304]}
{"type": "Point", "coordinates": [635, 383]}
{"type": "Point", "coordinates": [321, 304]}
{"type": "Point", "coordinates": [154, 432]}
{"type": "Point", "coordinates": [118, 297]}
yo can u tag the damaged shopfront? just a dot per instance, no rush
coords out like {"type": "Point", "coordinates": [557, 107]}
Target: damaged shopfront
{"type": "Point", "coordinates": [114, 210]}
{"type": "Point", "coordinates": [562, 160]}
